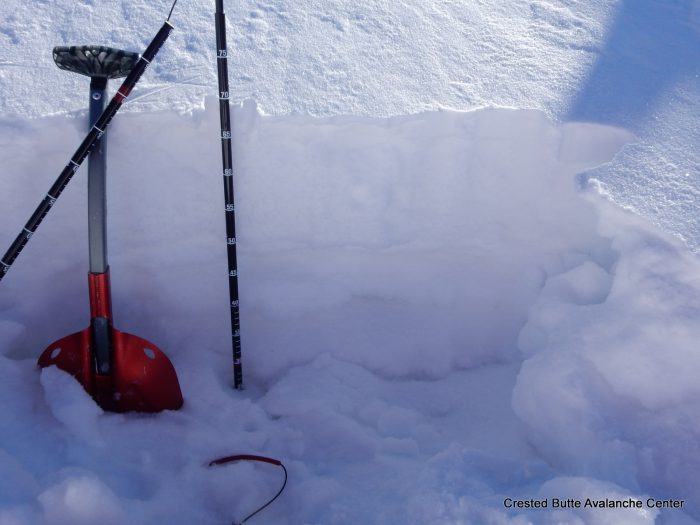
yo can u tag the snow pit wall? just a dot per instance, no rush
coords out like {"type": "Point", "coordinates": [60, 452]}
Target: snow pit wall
{"type": "Point", "coordinates": [410, 246]}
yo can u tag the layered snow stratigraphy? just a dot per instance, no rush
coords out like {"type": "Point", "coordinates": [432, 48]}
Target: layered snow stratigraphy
{"type": "Point", "coordinates": [437, 316]}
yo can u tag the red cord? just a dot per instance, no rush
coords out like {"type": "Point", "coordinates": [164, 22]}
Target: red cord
{"type": "Point", "coordinates": [261, 459]}
{"type": "Point", "coordinates": [244, 457]}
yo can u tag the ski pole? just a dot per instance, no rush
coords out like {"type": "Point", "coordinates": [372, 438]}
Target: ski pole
{"type": "Point", "coordinates": [230, 209]}
{"type": "Point", "coordinates": [84, 149]}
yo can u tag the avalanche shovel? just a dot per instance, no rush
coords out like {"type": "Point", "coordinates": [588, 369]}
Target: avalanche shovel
{"type": "Point", "coordinates": [122, 372]}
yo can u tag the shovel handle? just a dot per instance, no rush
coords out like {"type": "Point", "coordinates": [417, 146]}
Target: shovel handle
{"type": "Point", "coordinates": [84, 149]}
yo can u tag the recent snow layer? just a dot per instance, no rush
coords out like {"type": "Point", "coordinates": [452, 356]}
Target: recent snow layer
{"type": "Point", "coordinates": [437, 317]}
{"type": "Point", "coordinates": [626, 63]}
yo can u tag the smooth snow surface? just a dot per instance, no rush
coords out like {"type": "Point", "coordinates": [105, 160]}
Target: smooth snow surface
{"type": "Point", "coordinates": [439, 309]}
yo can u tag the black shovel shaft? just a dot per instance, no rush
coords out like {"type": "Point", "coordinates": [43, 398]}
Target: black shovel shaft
{"type": "Point", "coordinates": [226, 155]}
{"type": "Point", "coordinates": [84, 149]}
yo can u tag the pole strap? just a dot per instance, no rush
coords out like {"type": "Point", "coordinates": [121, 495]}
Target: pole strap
{"type": "Point", "coordinates": [260, 459]}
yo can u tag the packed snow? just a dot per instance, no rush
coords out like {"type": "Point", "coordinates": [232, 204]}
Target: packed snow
{"type": "Point", "coordinates": [442, 311]}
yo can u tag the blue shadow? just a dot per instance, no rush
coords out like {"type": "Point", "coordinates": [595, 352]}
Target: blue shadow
{"type": "Point", "coordinates": [652, 45]}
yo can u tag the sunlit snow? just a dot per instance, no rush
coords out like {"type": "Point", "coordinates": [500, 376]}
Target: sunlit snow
{"type": "Point", "coordinates": [441, 310]}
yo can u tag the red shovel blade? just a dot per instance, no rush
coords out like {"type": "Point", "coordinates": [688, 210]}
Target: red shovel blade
{"type": "Point", "coordinates": [143, 379]}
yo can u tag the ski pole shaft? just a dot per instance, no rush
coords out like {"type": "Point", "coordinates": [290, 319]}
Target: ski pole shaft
{"type": "Point", "coordinates": [84, 149]}
{"type": "Point", "coordinates": [226, 155]}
